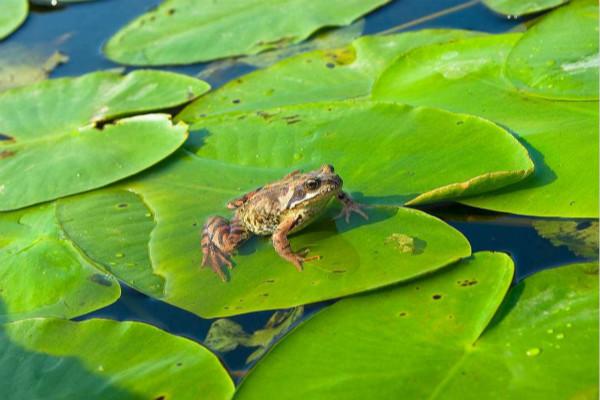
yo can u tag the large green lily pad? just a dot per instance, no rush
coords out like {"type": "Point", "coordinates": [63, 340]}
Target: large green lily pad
{"type": "Point", "coordinates": [188, 31]}
{"type": "Point", "coordinates": [103, 359]}
{"type": "Point", "coordinates": [516, 8]}
{"type": "Point", "coordinates": [407, 148]}
{"type": "Point", "coordinates": [12, 16]}
{"type": "Point", "coordinates": [562, 137]}
{"type": "Point", "coordinates": [51, 145]}
{"type": "Point", "coordinates": [43, 274]}
{"type": "Point", "coordinates": [182, 192]}
{"type": "Point", "coordinates": [558, 57]}
{"type": "Point", "coordinates": [432, 338]}
{"type": "Point", "coordinates": [321, 75]}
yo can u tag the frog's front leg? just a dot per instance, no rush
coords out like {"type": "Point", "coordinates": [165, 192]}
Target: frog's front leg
{"type": "Point", "coordinates": [283, 247]}
{"type": "Point", "coordinates": [349, 206]}
{"type": "Point", "coordinates": [219, 239]}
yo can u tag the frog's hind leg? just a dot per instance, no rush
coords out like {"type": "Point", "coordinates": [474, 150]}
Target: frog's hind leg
{"type": "Point", "coordinates": [219, 239]}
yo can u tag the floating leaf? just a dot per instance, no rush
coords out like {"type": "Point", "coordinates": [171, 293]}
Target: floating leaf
{"type": "Point", "coordinates": [558, 57]}
{"type": "Point", "coordinates": [321, 75]}
{"type": "Point", "coordinates": [189, 31]}
{"type": "Point", "coordinates": [12, 16]}
{"type": "Point", "coordinates": [184, 190]}
{"type": "Point", "coordinates": [43, 274]}
{"type": "Point", "coordinates": [516, 8]}
{"type": "Point", "coordinates": [432, 338]}
{"type": "Point", "coordinates": [408, 147]}
{"type": "Point", "coordinates": [581, 237]}
{"type": "Point", "coordinates": [562, 137]}
{"type": "Point", "coordinates": [104, 359]}
{"type": "Point", "coordinates": [51, 146]}
{"type": "Point", "coordinates": [21, 65]}
{"type": "Point", "coordinates": [226, 335]}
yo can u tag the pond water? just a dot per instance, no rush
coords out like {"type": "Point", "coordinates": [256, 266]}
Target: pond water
{"type": "Point", "coordinates": [79, 31]}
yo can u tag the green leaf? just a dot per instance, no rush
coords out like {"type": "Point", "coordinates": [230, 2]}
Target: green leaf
{"type": "Point", "coordinates": [433, 338]}
{"type": "Point", "coordinates": [104, 359]}
{"type": "Point", "coordinates": [51, 146]}
{"type": "Point", "coordinates": [562, 137]}
{"type": "Point", "coordinates": [412, 146]}
{"type": "Point", "coordinates": [43, 274]}
{"type": "Point", "coordinates": [558, 57]}
{"type": "Point", "coordinates": [184, 190]}
{"type": "Point", "coordinates": [12, 16]}
{"type": "Point", "coordinates": [186, 31]}
{"type": "Point", "coordinates": [515, 8]}
{"type": "Point", "coordinates": [321, 75]}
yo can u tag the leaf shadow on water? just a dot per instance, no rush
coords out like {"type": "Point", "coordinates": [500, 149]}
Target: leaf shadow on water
{"type": "Point", "coordinates": [31, 375]}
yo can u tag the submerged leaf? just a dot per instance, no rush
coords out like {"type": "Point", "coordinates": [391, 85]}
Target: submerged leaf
{"type": "Point", "coordinates": [189, 31]}
{"type": "Point", "coordinates": [581, 237]}
{"type": "Point", "coordinates": [51, 145]}
{"type": "Point", "coordinates": [445, 336]}
{"type": "Point", "coordinates": [42, 273]}
{"type": "Point", "coordinates": [21, 65]}
{"type": "Point", "coordinates": [103, 359]}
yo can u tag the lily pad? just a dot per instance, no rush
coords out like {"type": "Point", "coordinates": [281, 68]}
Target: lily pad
{"type": "Point", "coordinates": [321, 75]}
{"type": "Point", "coordinates": [103, 359]}
{"type": "Point", "coordinates": [184, 190]}
{"type": "Point", "coordinates": [516, 8]}
{"type": "Point", "coordinates": [558, 57]}
{"type": "Point", "coordinates": [562, 137]}
{"type": "Point", "coordinates": [432, 338]}
{"type": "Point", "coordinates": [188, 31]}
{"type": "Point", "coordinates": [408, 147]}
{"type": "Point", "coordinates": [12, 16]}
{"type": "Point", "coordinates": [51, 144]}
{"type": "Point", "coordinates": [43, 274]}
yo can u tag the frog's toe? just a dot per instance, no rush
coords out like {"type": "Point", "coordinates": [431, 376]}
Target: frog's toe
{"type": "Point", "coordinates": [215, 259]}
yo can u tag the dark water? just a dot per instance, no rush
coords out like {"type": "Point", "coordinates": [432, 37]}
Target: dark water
{"type": "Point", "coordinates": [82, 29]}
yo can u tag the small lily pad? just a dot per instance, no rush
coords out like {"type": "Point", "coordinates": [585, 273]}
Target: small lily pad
{"type": "Point", "coordinates": [451, 335]}
{"type": "Point", "coordinates": [103, 359]}
{"type": "Point", "coordinates": [187, 31]}
{"type": "Point", "coordinates": [12, 16]}
{"type": "Point", "coordinates": [51, 143]}
{"type": "Point", "coordinates": [42, 273]}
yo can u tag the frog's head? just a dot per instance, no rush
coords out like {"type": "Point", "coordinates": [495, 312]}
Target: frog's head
{"type": "Point", "coordinates": [315, 187]}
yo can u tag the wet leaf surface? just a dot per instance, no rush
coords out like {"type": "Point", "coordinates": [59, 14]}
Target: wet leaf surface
{"type": "Point", "coordinates": [185, 32]}
{"type": "Point", "coordinates": [53, 144]}
{"type": "Point", "coordinates": [434, 337]}
{"type": "Point", "coordinates": [103, 359]}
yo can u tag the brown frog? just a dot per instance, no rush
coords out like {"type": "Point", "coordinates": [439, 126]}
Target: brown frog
{"type": "Point", "coordinates": [276, 209]}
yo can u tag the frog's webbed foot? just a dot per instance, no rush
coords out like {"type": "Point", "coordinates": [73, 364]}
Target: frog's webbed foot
{"type": "Point", "coordinates": [219, 240]}
{"type": "Point", "coordinates": [349, 206]}
{"type": "Point", "coordinates": [284, 249]}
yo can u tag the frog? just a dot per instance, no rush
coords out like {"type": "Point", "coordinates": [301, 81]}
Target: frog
{"type": "Point", "coordinates": [276, 209]}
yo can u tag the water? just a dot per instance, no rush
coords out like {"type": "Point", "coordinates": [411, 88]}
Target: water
{"type": "Point", "coordinates": [80, 31]}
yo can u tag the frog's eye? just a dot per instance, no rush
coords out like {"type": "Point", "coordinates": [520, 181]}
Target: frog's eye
{"type": "Point", "coordinates": [312, 184]}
